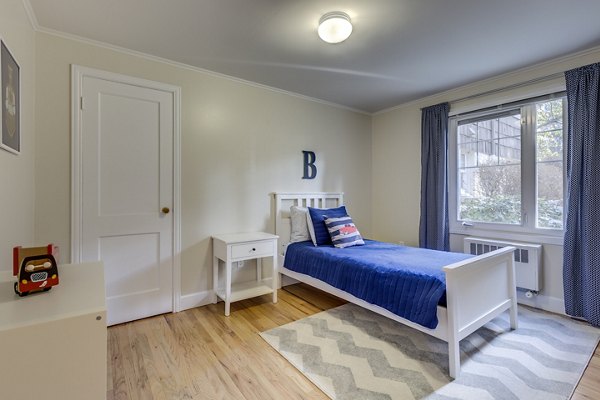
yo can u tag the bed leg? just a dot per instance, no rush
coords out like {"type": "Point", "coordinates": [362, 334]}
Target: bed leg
{"type": "Point", "coordinates": [276, 275]}
{"type": "Point", "coordinates": [452, 309]}
{"type": "Point", "coordinates": [454, 358]}
{"type": "Point", "coordinates": [514, 322]}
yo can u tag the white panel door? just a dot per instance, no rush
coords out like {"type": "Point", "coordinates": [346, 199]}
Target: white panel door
{"type": "Point", "coordinates": [127, 192]}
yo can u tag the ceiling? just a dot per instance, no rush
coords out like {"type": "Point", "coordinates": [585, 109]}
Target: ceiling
{"type": "Point", "coordinates": [400, 50]}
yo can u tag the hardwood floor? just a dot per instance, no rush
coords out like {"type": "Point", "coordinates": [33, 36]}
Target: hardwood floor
{"type": "Point", "coordinates": [201, 354]}
{"type": "Point", "coordinates": [589, 386]}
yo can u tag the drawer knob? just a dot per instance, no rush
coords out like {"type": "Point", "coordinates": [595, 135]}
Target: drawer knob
{"type": "Point", "coordinates": [253, 249]}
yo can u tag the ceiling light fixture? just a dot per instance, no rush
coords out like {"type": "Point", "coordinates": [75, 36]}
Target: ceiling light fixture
{"type": "Point", "coordinates": [335, 27]}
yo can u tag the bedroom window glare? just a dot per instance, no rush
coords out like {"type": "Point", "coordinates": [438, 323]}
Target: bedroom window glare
{"type": "Point", "coordinates": [508, 168]}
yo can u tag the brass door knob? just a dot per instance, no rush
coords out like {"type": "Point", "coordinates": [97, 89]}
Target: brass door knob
{"type": "Point", "coordinates": [165, 210]}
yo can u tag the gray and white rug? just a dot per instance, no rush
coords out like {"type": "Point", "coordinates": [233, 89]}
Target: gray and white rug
{"type": "Point", "coordinates": [352, 353]}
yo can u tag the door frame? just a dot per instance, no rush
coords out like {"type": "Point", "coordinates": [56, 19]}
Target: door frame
{"type": "Point", "coordinates": [77, 74]}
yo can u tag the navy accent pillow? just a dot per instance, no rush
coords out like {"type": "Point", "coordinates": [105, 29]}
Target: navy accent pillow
{"type": "Point", "coordinates": [317, 216]}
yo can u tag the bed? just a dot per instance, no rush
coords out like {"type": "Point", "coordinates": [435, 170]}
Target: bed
{"type": "Point", "coordinates": [477, 289]}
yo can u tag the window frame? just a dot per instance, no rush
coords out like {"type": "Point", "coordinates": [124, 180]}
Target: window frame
{"type": "Point", "coordinates": [528, 229]}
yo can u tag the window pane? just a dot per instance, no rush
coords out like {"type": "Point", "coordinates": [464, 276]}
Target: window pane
{"type": "Point", "coordinates": [549, 145]}
{"type": "Point", "coordinates": [490, 170]}
{"type": "Point", "coordinates": [550, 195]}
{"type": "Point", "coordinates": [468, 133]}
{"type": "Point", "coordinates": [491, 194]}
{"type": "Point", "coordinates": [549, 164]}
{"type": "Point", "coordinates": [467, 154]}
{"type": "Point", "coordinates": [549, 115]}
{"type": "Point", "coordinates": [510, 150]}
{"type": "Point", "coordinates": [487, 153]}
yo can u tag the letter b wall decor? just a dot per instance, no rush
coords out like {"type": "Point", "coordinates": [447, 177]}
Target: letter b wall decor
{"type": "Point", "coordinates": [310, 169]}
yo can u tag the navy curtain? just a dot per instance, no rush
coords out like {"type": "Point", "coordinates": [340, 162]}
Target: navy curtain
{"type": "Point", "coordinates": [581, 271]}
{"type": "Point", "coordinates": [433, 228]}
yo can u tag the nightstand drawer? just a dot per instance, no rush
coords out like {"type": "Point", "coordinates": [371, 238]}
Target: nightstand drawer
{"type": "Point", "coordinates": [255, 249]}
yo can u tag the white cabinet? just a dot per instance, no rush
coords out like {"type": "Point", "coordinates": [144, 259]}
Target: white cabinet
{"type": "Point", "coordinates": [236, 247]}
{"type": "Point", "coordinates": [53, 344]}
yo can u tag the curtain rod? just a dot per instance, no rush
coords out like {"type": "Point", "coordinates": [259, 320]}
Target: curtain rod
{"type": "Point", "coordinates": [513, 86]}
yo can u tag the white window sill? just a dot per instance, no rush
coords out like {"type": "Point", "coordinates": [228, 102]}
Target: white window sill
{"type": "Point", "coordinates": [522, 236]}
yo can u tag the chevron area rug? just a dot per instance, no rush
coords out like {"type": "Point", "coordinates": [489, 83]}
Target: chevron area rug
{"type": "Point", "coordinates": [352, 353]}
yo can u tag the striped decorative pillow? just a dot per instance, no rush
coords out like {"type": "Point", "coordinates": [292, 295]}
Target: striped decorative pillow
{"type": "Point", "coordinates": [343, 232]}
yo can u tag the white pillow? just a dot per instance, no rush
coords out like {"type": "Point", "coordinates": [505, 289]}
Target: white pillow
{"type": "Point", "coordinates": [299, 216]}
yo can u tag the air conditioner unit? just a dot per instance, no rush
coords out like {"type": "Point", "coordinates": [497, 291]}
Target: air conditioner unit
{"type": "Point", "coordinates": [528, 259]}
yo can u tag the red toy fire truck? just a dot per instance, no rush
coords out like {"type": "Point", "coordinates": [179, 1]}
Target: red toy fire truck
{"type": "Point", "coordinates": [35, 269]}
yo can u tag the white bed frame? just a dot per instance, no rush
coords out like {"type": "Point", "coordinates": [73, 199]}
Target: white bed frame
{"type": "Point", "coordinates": [477, 289]}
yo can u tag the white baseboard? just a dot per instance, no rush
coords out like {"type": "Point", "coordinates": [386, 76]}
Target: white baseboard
{"type": "Point", "coordinates": [552, 304]}
{"type": "Point", "coordinates": [193, 300]}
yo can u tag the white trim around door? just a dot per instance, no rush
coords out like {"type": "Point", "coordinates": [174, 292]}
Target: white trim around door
{"type": "Point", "coordinates": [77, 75]}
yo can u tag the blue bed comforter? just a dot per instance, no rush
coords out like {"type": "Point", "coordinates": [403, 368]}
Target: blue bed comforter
{"type": "Point", "coordinates": [407, 281]}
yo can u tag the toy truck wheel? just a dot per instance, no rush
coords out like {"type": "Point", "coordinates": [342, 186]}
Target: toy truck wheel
{"type": "Point", "coordinates": [19, 293]}
{"type": "Point", "coordinates": [48, 288]}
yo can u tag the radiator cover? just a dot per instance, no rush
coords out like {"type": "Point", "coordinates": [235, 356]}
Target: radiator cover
{"type": "Point", "coordinates": [528, 259]}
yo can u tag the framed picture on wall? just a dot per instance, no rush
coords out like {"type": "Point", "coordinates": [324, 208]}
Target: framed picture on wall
{"type": "Point", "coordinates": [10, 111]}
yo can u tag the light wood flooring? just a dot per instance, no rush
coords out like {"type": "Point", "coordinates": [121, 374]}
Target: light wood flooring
{"type": "Point", "coordinates": [589, 386]}
{"type": "Point", "coordinates": [201, 354]}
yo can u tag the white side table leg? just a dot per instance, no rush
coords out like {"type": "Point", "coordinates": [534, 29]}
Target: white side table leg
{"type": "Point", "coordinates": [227, 287]}
{"type": "Point", "coordinates": [275, 275]}
{"type": "Point", "coordinates": [215, 279]}
{"type": "Point", "coordinates": [259, 269]}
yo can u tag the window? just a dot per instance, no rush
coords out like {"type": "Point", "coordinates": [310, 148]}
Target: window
{"type": "Point", "coordinates": [549, 164]}
{"type": "Point", "coordinates": [490, 169]}
{"type": "Point", "coordinates": [506, 168]}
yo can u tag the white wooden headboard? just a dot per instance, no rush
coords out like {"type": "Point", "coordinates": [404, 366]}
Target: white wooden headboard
{"type": "Point", "coordinates": [283, 202]}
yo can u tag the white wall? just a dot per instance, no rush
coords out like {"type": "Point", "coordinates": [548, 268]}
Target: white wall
{"type": "Point", "coordinates": [396, 155]}
{"type": "Point", "coordinates": [240, 142]}
{"type": "Point", "coordinates": [17, 189]}
{"type": "Point", "coordinates": [396, 183]}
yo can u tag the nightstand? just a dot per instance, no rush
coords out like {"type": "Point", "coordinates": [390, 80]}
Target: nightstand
{"type": "Point", "coordinates": [234, 247]}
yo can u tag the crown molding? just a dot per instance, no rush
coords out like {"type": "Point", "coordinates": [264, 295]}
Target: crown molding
{"type": "Point", "coordinates": [149, 57]}
{"type": "Point", "coordinates": [36, 26]}
{"type": "Point", "coordinates": [456, 92]}
{"type": "Point", "coordinates": [31, 15]}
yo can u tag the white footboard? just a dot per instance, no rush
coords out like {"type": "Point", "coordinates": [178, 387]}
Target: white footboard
{"type": "Point", "coordinates": [477, 291]}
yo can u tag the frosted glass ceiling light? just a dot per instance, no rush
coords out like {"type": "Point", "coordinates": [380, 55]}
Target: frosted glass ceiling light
{"type": "Point", "coordinates": [335, 27]}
